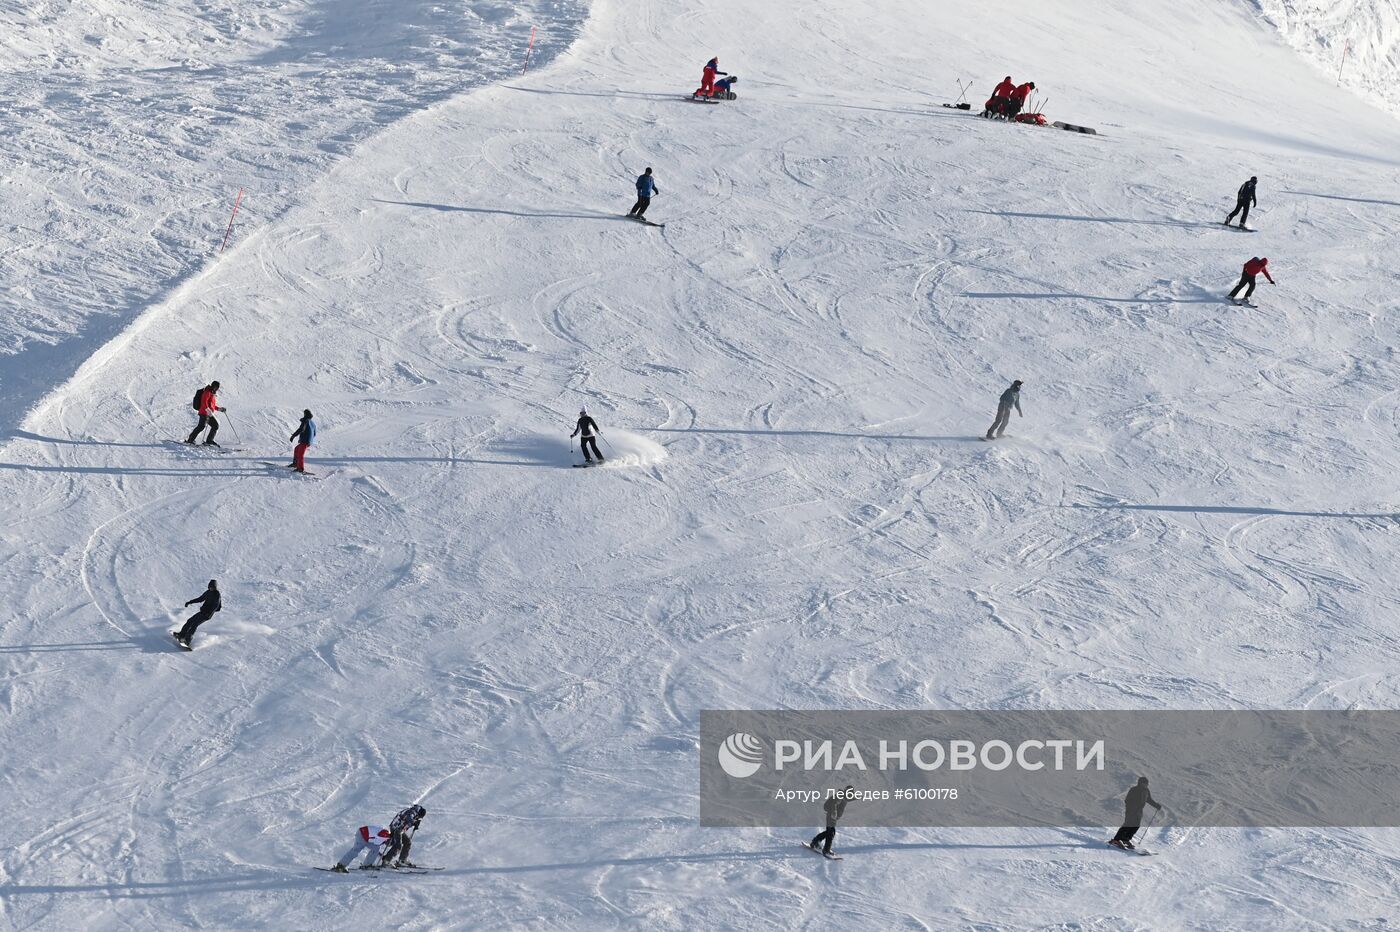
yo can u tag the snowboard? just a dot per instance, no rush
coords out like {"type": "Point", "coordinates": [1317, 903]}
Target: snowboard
{"type": "Point", "coordinates": [179, 643]}
{"type": "Point", "coordinates": [397, 870]}
{"type": "Point", "coordinates": [829, 857]}
{"type": "Point", "coordinates": [703, 100]}
{"type": "Point", "coordinates": [587, 465]}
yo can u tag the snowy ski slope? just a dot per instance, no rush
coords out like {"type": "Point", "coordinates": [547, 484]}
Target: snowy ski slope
{"type": "Point", "coordinates": [1197, 511]}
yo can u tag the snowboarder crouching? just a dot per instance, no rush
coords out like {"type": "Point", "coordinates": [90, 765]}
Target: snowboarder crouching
{"type": "Point", "coordinates": [305, 436]}
{"type": "Point", "coordinates": [724, 89]}
{"type": "Point", "coordinates": [1138, 797]}
{"type": "Point", "coordinates": [369, 839]}
{"type": "Point", "coordinates": [1252, 268]}
{"type": "Point", "coordinates": [587, 427]}
{"type": "Point", "coordinates": [1011, 398]}
{"type": "Point", "coordinates": [834, 808]}
{"type": "Point", "coordinates": [401, 832]}
{"type": "Point", "coordinates": [209, 603]}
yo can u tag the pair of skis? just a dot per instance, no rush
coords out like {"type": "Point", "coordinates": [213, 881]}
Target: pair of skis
{"type": "Point", "coordinates": [396, 870]}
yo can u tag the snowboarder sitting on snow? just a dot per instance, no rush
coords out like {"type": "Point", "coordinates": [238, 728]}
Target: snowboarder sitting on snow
{"type": "Point", "coordinates": [707, 78]}
{"type": "Point", "coordinates": [1011, 398]}
{"type": "Point", "coordinates": [206, 402]}
{"type": "Point", "coordinates": [588, 427]}
{"type": "Point", "coordinates": [1244, 200]}
{"type": "Point", "coordinates": [835, 808]}
{"type": "Point", "coordinates": [401, 837]}
{"type": "Point", "coordinates": [369, 839]}
{"type": "Point", "coordinates": [209, 603]}
{"type": "Point", "coordinates": [724, 89]}
{"type": "Point", "coordinates": [996, 104]}
{"type": "Point", "coordinates": [305, 436]}
{"type": "Point", "coordinates": [1251, 269]}
{"type": "Point", "coordinates": [1138, 797]}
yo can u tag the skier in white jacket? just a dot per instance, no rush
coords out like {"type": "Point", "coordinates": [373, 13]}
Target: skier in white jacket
{"type": "Point", "coordinates": [368, 838]}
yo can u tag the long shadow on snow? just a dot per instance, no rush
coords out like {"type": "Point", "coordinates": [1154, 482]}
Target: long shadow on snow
{"type": "Point", "coordinates": [1239, 510]}
{"type": "Point", "coordinates": [136, 471]}
{"type": "Point", "coordinates": [1074, 296]}
{"type": "Point", "coordinates": [453, 208]}
{"type": "Point", "coordinates": [1086, 219]}
{"type": "Point", "coordinates": [40, 438]}
{"type": "Point", "coordinates": [807, 433]}
{"type": "Point", "coordinates": [1338, 197]}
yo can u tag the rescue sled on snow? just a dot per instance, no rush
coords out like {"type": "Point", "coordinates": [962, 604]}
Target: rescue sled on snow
{"type": "Point", "coordinates": [1037, 119]}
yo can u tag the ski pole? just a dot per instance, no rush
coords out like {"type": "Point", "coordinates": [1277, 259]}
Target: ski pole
{"type": "Point", "coordinates": [1148, 825]}
{"type": "Point", "coordinates": [964, 90]}
{"type": "Point", "coordinates": [234, 429]}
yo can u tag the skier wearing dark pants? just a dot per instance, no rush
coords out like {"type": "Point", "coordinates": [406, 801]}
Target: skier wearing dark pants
{"type": "Point", "coordinates": [401, 837]}
{"type": "Point", "coordinates": [1243, 201]}
{"type": "Point", "coordinates": [1011, 398]}
{"type": "Point", "coordinates": [206, 403]}
{"type": "Point", "coordinates": [1138, 797]}
{"type": "Point", "coordinates": [1252, 268]}
{"type": "Point", "coordinates": [304, 436]}
{"type": "Point", "coordinates": [646, 187]}
{"type": "Point", "coordinates": [835, 808]}
{"type": "Point", "coordinates": [209, 603]}
{"type": "Point", "coordinates": [587, 427]}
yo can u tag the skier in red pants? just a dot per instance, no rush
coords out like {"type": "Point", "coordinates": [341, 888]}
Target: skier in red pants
{"type": "Point", "coordinates": [707, 78]}
{"type": "Point", "coordinates": [305, 436]}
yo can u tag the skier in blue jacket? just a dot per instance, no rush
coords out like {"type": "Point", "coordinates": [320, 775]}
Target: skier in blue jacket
{"type": "Point", "coordinates": [646, 187]}
{"type": "Point", "coordinates": [305, 436]}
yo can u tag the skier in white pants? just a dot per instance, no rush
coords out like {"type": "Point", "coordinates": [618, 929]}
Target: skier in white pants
{"type": "Point", "coordinates": [368, 838]}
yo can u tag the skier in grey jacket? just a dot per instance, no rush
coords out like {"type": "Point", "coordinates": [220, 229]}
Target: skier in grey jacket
{"type": "Point", "coordinates": [1011, 398]}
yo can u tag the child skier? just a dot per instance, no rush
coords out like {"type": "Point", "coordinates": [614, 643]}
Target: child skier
{"type": "Point", "coordinates": [305, 436]}
{"type": "Point", "coordinates": [369, 839]}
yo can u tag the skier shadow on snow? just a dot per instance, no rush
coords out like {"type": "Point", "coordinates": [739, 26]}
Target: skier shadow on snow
{"type": "Point", "coordinates": [1088, 219]}
{"type": "Point", "coordinates": [524, 451]}
{"type": "Point", "coordinates": [1338, 197]}
{"type": "Point", "coordinates": [528, 214]}
{"type": "Point", "coordinates": [169, 471]}
{"type": "Point", "coordinates": [638, 95]}
{"type": "Point", "coordinates": [150, 640]}
{"type": "Point", "coordinates": [1204, 297]}
{"type": "Point", "coordinates": [1238, 510]}
{"type": "Point", "coordinates": [40, 438]}
{"type": "Point", "coordinates": [812, 433]}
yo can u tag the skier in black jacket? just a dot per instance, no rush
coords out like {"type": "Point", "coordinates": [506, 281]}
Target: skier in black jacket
{"type": "Point", "coordinates": [209, 603]}
{"type": "Point", "coordinates": [1243, 201]}
{"type": "Point", "coordinates": [835, 808]}
{"type": "Point", "coordinates": [1011, 398]}
{"type": "Point", "coordinates": [1138, 797]}
{"type": "Point", "coordinates": [401, 832]}
{"type": "Point", "coordinates": [588, 427]}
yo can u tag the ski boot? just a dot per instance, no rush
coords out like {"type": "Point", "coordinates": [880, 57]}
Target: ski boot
{"type": "Point", "coordinates": [210, 443]}
{"type": "Point", "coordinates": [339, 869]}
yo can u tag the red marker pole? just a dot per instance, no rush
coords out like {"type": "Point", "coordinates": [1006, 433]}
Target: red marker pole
{"type": "Point", "coordinates": [236, 202]}
{"type": "Point", "coordinates": [528, 49]}
{"type": "Point", "coordinates": [1344, 62]}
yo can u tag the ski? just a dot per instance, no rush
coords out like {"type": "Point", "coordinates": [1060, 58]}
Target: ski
{"type": "Point", "coordinates": [585, 465]}
{"type": "Point", "coordinates": [829, 857]}
{"type": "Point", "coordinates": [644, 220]}
{"type": "Point", "coordinates": [290, 471]}
{"type": "Point", "coordinates": [1243, 303]}
{"type": "Point", "coordinates": [1138, 851]}
{"type": "Point", "coordinates": [204, 447]}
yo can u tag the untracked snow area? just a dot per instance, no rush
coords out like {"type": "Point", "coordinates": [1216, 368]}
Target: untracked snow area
{"type": "Point", "coordinates": [131, 125]}
{"type": "Point", "coordinates": [1197, 511]}
{"type": "Point", "coordinates": [1365, 32]}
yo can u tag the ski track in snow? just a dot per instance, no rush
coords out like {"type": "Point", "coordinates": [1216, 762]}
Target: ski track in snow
{"type": "Point", "coordinates": [794, 376]}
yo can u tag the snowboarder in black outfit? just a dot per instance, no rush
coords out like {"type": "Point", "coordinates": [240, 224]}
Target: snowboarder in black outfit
{"type": "Point", "coordinates": [1243, 201]}
{"type": "Point", "coordinates": [588, 427]}
{"type": "Point", "coordinates": [206, 402]}
{"type": "Point", "coordinates": [1011, 398]}
{"type": "Point", "coordinates": [646, 187]}
{"type": "Point", "coordinates": [835, 808]}
{"type": "Point", "coordinates": [209, 603]}
{"type": "Point", "coordinates": [1138, 797]}
{"type": "Point", "coordinates": [401, 832]}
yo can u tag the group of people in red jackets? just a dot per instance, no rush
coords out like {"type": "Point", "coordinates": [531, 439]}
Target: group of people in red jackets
{"type": "Point", "coordinates": [1008, 99]}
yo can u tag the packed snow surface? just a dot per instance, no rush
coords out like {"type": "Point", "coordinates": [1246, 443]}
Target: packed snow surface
{"type": "Point", "coordinates": [1197, 511]}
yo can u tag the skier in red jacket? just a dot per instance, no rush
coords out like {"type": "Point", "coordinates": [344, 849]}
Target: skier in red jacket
{"type": "Point", "coordinates": [707, 78]}
{"type": "Point", "coordinates": [1251, 269]}
{"type": "Point", "coordinates": [997, 102]}
{"type": "Point", "coordinates": [1017, 99]}
{"type": "Point", "coordinates": [208, 404]}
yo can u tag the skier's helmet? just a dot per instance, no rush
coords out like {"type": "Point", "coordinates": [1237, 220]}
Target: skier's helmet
{"type": "Point", "coordinates": [1142, 781]}
{"type": "Point", "coordinates": [1252, 178]}
{"type": "Point", "coordinates": [1017, 383]}
{"type": "Point", "coordinates": [582, 412]}
{"type": "Point", "coordinates": [214, 384]}
{"type": "Point", "coordinates": [213, 584]}
{"type": "Point", "coordinates": [306, 413]}
{"type": "Point", "coordinates": [1008, 77]}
